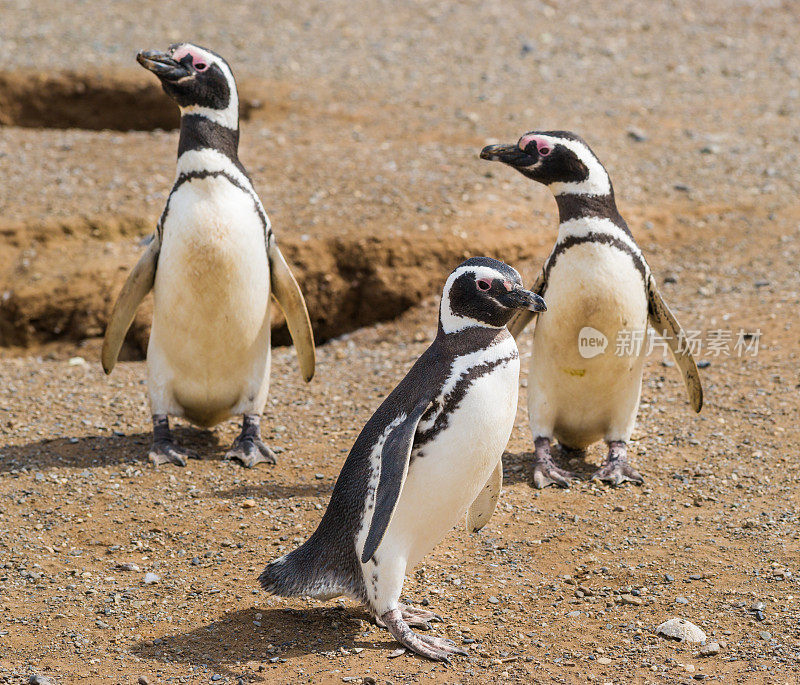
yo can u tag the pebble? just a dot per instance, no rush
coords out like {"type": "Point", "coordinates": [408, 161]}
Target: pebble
{"type": "Point", "coordinates": [216, 677]}
{"type": "Point", "coordinates": [681, 600]}
{"type": "Point", "coordinates": [765, 635]}
{"type": "Point", "coordinates": [636, 134]}
{"type": "Point", "coordinates": [630, 599]}
{"type": "Point", "coordinates": [36, 679]}
{"type": "Point", "coordinates": [143, 680]}
{"type": "Point", "coordinates": [248, 504]}
{"type": "Point", "coordinates": [573, 614]}
{"type": "Point", "coordinates": [128, 566]}
{"type": "Point", "coordinates": [604, 661]}
{"type": "Point", "coordinates": [681, 629]}
{"type": "Point", "coordinates": [710, 649]}
{"type": "Point", "coordinates": [493, 600]}
{"type": "Point", "coordinates": [151, 578]}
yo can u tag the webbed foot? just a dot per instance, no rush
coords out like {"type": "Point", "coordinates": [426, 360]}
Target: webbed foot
{"type": "Point", "coordinates": [545, 470]}
{"type": "Point", "coordinates": [164, 450]}
{"type": "Point", "coordinates": [435, 648]}
{"type": "Point", "coordinates": [617, 470]}
{"type": "Point", "coordinates": [248, 448]}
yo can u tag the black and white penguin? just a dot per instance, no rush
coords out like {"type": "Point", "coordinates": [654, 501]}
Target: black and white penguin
{"type": "Point", "coordinates": [599, 286]}
{"type": "Point", "coordinates": [212, 266]}
{"type": "Point", "coordinates": [431, 451]}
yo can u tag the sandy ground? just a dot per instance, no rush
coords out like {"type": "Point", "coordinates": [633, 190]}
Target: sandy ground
{"type": "Point", "coordinates": [363, 126]}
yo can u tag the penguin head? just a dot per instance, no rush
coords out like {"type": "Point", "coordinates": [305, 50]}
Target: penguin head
{"type": "Point", "coordinates": [199, 80]}
{"type": "Point", "coordinates": [559, 159]}
{"type": "Point", "coordinates": [484, 292]}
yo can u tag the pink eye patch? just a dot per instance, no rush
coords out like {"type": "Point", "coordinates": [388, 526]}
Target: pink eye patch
{"type": "Point", "coordinates": [543, 147]}
{"type": "Point", "coordinates": [198, 61]}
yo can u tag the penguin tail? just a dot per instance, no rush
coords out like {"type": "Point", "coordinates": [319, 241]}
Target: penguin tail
{"type": "Point", "coordinates": [314, 569]}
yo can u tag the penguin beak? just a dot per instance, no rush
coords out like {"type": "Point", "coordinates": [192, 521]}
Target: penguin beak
{"type": "Point", "coordinates": [508, 154]}
{"type": "Point", "coordinates": [519, 298]}
{"type": "Point", "coordinates": [162, 65]}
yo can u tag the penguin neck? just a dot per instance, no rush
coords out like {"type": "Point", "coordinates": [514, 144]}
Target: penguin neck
{"type": "Point", "coordinates": [573, 206]}
{"type": "Point", "coordinates": [198, 132]}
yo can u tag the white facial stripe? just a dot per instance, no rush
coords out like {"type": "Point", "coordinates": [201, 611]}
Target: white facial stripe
{"type": "Point", "coordinates": [228, 117]}
{"type": "Point", "coordinates": [597, 183]}
{"type": "Point", "coordinates": [584, 226]}
{"type": "Point", "coordinates": [452, 323]}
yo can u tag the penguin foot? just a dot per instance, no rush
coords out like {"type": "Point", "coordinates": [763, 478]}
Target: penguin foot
{"type": "Point", "coordinates": [616, 473]}
{"type": "Point", "coordinates": [419, 618]}
{"type": "Point", "coordinates": [248, 448]}
{"type": "Point", "coordinates": [167, 452]}
{"type": "Point", "coordinates": [250, 451]}
{"type": "Point", "coordinates": [545, 471]}
{"type": "Point", "coordinates": [416, 618]}
{"type": "Point", "coordinates": [617, 470]}
{"type": "Point", "coordinates": [434, 648]}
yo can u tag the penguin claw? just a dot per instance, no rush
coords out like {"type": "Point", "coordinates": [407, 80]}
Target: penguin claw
{"type": "Point", "coordinates": [617, 473]}
{"type": "Point", "coordinates": [167, 452]}
{"type": "Point", "coordinates": [419, 618]}
{"type": "Point", "coordinates": [547, 473]}
{"type": "Point", "coordinates": [250, 451]}
{"type": "Point", "coordinates": [434, 648]}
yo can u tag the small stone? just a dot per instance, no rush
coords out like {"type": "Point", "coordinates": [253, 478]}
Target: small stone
{"type": "Point", "coordinates": [216, 677]}
{"type": "Point", "coordinates": [668, 578]}
{"type": "Point", "coordinates": [604, 661]}
{"type": "Point", "coordinates": [765, 635]}
{"type": "Point", "coordinates": [248, 503]}
{"type": "Point", "coordinates": [681, 600]}
{"type": "Point", "coordinates": [128, 566]}
{"type": "Point", "coordinates": [37, 679]}
{"type": "Point", "coordinates": [397, 652]}
{"type": "Point", "coordinates": [493, 600]}
{"type": "Point", "coordinates": [77, 361]}
{"type": "Point", "coordinates": [630, 599]}
{"type": "Point", "coordinates": [710, 649]}
{"type": "Point", "coordinates": [636, 134]}
{"type": "Point", "coordinates": [573, 614]}
{"type": "Point", "coordinates": [143, 680]}
{"type": "Point", "coordinates": [682, 630]}
{"type": "Point", "coordinates": [682, 187]}
{"type": "Point", "coordinates": [151, 578]}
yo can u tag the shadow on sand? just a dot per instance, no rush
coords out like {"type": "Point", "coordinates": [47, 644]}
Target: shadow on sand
{"type": "Point", "coordinates": [236, 636]}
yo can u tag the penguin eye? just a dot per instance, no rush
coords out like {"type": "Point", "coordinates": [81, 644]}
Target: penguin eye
{"type": "Point", "coordinates": [544, 151]}
{"type": "Point", "coordinates": [484, 284]}
{"type": "Point", "coordinates": [200, 66]}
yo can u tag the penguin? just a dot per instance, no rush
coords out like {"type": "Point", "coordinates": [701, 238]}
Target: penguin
{"type": "Point", "coordinates": [212, 265]}
{"type": "Point", "coordinates": [582, 386]}
{"type": "Point", "coordinates": [431, 452]}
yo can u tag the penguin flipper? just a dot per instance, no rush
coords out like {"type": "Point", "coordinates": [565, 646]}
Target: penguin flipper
{"type": "Point", "coordinates": [665, 323]}
{"type": "Point", "coordinates": [395, 457]}
{"type": "Point", "coordinates": [140, 282]}
{"type": "Point", "coordinates": [288, 295]}
{"type": "Point", "coordinates": [524, 317]}
{"type": "Point", "coordinates": [483, 507]}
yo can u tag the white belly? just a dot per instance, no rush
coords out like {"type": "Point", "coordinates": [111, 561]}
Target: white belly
{"type": "Point", "coordinates": [577, 399]}
{"type": "Point", "coordinates": [209, 345]}
{"type": "Point", "coordinates": [444, 481]}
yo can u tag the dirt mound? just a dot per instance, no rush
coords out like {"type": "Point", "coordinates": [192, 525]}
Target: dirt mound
{"type": "Point", "coordinates": [349, 282]}
{"type": "Point", "coordinates": [119, 100]}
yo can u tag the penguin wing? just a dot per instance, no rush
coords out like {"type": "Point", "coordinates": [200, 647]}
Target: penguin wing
{"type": "Point", "coordinates": [484, 505]}
{"type": "Point", "coordinates": [140, 282]}
{"type": "Point", "coordinates": [524, 317]}
{"type": "Point", "coordinates": [664, 323]}
{"type": "Point", "coordinates": [395, 457]}
{"type": "Point", "coordinates": [288, 295]}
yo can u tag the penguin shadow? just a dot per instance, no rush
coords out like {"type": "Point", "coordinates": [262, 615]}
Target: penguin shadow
{"type": "Point", "coordinates": [275, 491]}
{"type": "Point", "coordinates": [518, 468]}
{"type": "Point", "coordinates": [261, 635]}
{"type": "Point", "coordinates": [100, 450]}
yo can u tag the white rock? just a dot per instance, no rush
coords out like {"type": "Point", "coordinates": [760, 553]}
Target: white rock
{"type": "Point", "coordinates": [681, 629]}
{"type": "Point", "coordinates": [151, 578]}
